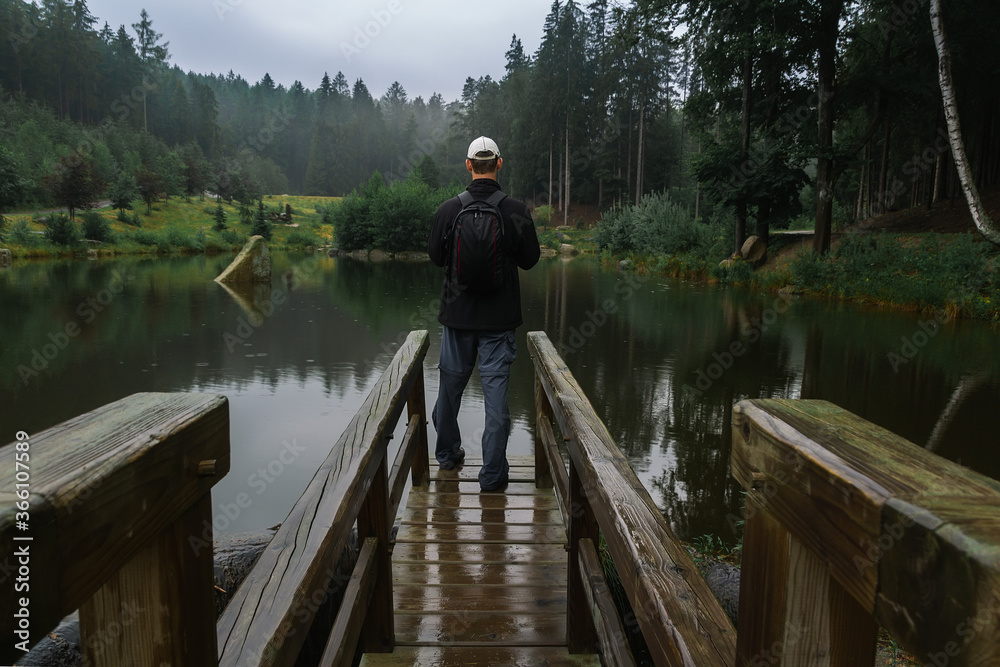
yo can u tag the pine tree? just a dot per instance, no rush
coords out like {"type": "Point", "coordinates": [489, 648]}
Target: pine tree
{"type": "Point", "coordinates": [220, 217]}
{"type": "Point", "coordinates": [261, 227]}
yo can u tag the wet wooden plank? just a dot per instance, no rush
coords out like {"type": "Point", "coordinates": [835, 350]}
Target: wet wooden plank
{"type": "Point", "coordinates": [475, 534]}
{"type": "Point", "coordinates": [423, 499]}
{"type": "Point", "coordinates": [490, 628]}
{"type": "Point", "coordinates": [488, 656]}
{"type": "Point", "coordinates": [479, 553]}
{"type": "Point", "coordinates": [479, 574]}
{"type": "Point", "coordinates": [535, 517]}
{"type": "Point", "coordinates": [469, 472]}
{"type": "Point", "coordinates": [472, 487]}
{"type": "Point", "coordinates": [472, 598]}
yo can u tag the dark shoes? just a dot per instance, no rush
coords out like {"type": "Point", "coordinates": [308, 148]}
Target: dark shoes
{"type": "Point", "coordinates": [499, 488]}
{"type": "Point", "coordinates": [450, 465]}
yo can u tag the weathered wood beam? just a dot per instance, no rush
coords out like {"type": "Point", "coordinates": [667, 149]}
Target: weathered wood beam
{"type": "Point", "coordinates": [404, 460]}
{"type": "Point", "coordinates": [681, 620]}
{"type": "Point", "coordinates": [340, 648]}
{"type": "Point", "coordinates": [613, 642]}
{"type": "Point", "coordinates": [126, 479]}
{"type": "Point", "coordinates": [267, 620]}
{"type": "Point", "coordinates": [912, 538]}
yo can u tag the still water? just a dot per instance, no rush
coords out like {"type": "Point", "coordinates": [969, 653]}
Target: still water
{"type": "Point", "coordinates": [663, 362]}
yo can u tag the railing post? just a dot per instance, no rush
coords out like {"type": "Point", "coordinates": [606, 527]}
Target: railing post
{"type": "Point", "coordinates": [416, 404]}
{"type": "Point", "coordinates": [378, 635]}
{"type": "Point", "coordinates": [581, 636]}
{"type": "Point", "coordinates": [792, 612]}
{"type": "Point", "coordinates": [543, 414]}
{"type": "Point", "coordinates": [159, 609]}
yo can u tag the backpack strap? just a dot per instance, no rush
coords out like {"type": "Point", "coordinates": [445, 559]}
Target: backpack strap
{"type": "Point", "coordinates": [465, 198]}
{"type": "Point", "coordinates": [496, 198]}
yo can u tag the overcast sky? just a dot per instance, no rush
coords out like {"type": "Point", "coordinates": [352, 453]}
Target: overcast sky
{"type": "Point", "coordinates": [427, 46]}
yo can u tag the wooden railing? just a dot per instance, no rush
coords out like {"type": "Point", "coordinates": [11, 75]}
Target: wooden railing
{"type": "Point", "coordinates": [267, 621]}
{"type": "Point", "coordinates": [680, 619]}
{"type": "Point", "coordinates": [848, 527]}
{"type": "Point", "coordinates": [112, 502]}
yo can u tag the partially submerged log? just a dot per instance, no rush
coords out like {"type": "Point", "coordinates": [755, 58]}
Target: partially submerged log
{"type": "Point", "coordinates": [252, 265]}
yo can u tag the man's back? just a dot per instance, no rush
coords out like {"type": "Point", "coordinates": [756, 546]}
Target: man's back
{"type": "Point", "coordinates": [499, 310]}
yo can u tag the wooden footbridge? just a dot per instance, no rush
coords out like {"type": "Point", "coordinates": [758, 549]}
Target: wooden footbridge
{"type": "Point", "coordinates": [848, 527]}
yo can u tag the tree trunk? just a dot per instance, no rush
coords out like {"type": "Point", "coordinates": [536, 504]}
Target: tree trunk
{"type": "Point", "coordinates": [566, 195]}
{"type": "Point", "coordinates": [549, 202]}
{"type": "Point", "coordinates": [829, 30]}
{"type": "Point", "coordinates": [640, 153]}
{"type": "Point", "coordinates": [743, 205]}
{"type": "Point", "coordinates": [979, 215]}
{"type": "Point", "coordinates": [886, 199]}
{"type": "Point", "coordinates": [859, 209]}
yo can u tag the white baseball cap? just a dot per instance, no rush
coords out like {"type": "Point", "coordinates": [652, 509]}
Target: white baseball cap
{"type": "Point", "coordinates": [483, 148]}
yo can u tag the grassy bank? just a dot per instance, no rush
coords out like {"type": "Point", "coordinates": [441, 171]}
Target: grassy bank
{"type": "Point", "coordinates": [952, 275]}
{"type": "Point", "coordinates": [177, 225]}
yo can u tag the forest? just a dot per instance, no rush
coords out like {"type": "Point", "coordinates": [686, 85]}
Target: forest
{"type": "Point", "coordinates": [740, 112]}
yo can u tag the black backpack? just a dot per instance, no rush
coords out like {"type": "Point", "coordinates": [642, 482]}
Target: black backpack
{"type": "Point", "coordinates": [478, 252]}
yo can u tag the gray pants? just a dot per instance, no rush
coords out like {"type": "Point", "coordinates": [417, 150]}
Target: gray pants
{"type": "Point", "coordinates": [496, 351]}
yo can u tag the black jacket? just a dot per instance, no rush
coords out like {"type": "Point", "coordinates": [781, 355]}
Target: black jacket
{"type": "Point", "coordinates": [499, 311]}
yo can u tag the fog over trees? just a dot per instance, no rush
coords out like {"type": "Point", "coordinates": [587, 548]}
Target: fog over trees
{"type": "Point", "coordinates": [752, 114]}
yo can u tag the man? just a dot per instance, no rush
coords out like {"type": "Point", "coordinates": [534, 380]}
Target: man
{"type": "Point", "coordinates": [480, 322]}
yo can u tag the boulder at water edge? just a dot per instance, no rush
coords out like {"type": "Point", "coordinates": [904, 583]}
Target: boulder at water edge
{"type": "Point", "coordinates": [252, 265]}
{"type": "Point", "coordinates": [754, 251]}
{"type": "Point", "coordinates": [6, 258]}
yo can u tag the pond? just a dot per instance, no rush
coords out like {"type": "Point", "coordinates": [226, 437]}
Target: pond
{"type": "Point", "coordinates": [662, 361]}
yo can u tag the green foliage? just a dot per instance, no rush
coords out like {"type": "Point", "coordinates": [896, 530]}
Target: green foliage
{"type": "Point", "coordinates": [150, 186]}
{"type": "Point", "coordinates": [232, 237]}
{"type": "Point", "coordinates": [177, 239]}
{"type": "Point", "coordinates": [957, 272]}
{"type": "Point", "coordinates": [60, 230]}
{"type": "Point", "coordinates": [543, 215]}
{"type": "Point", "coordinates": [657, 226]}
{"type": "Point", "coordinates": [426, 171]}
{"type": "Point", "coordinates": [123, 192]}
{"type": "Point", "coordinates": [737, 273]}
{"type": "Point", "coordinates": [21, 234]}
{"type": "Point", "coordinates": [145, 237]}
{"type": "Point", "coordinates": [96, 227]}
{"type": "Point", "coordinates": [73, 183]}
{"type": "Point", "coordinates": [392, 218]}
{"type": "Point", "coordinates": [220, 217]}
{"type": "Point", "coordinates": [261, 227]}
{"type": "Point", "coordinates": [298, 237]}
{"type": "Point", "coordinates": [13, 187]}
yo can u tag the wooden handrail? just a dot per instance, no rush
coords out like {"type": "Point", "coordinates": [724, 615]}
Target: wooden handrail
{"type": "Point", "coordinates": [268, 619]}
{"type": "Point", "coordinates": [849, 525]}
{"type": "Point", "coordinates": [680, 619]}
{"type": "Point", "coordinates": [120, 526]}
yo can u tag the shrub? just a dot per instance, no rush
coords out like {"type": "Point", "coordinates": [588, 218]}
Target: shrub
{"type": "Point", "coordinates": [143, 237]}
{"type": "Point", "coordinates": [231, 237]}
{"type": "Point", "coordinates": [60, 230]}
{"type": "Point", "coordinates": [21, 234]}
{"type": "Point", "coordinates": [543, 215]}
{"type": "Point", "coordinates": [261, 227]}
{"type": "Point", "coordinates": [95, 227]}
{"type": "Point", "coordinates": [297, 237]}
{"type": "Point", "coordinates": [177, 239]}
{"type": "Point", "coordinates": [392, 218]}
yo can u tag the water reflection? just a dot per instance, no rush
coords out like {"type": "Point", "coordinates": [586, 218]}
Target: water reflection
{"type": "Point", "coordinates": [662, 362]}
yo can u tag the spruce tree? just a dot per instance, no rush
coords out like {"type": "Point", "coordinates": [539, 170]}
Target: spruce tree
{"type": "Point", "coordinates": [260, 225]}
{"type": "Point", "coordinates": [220, 218]}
